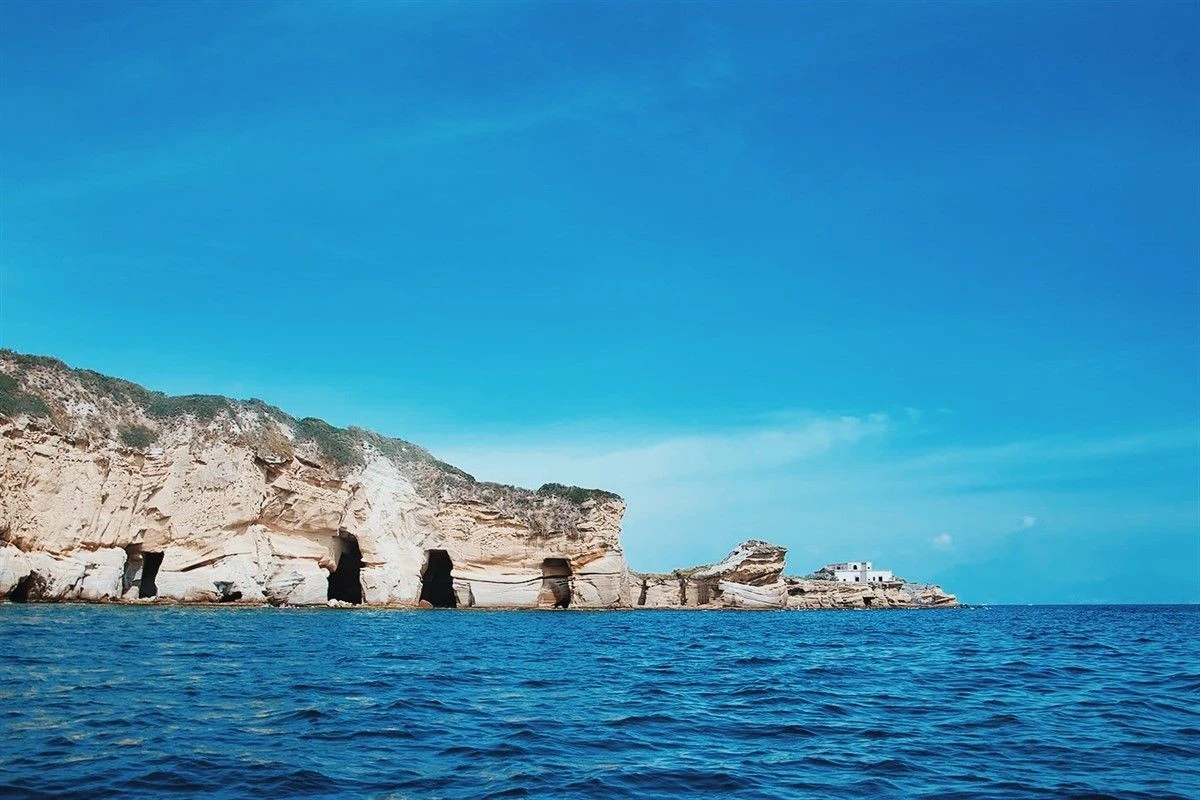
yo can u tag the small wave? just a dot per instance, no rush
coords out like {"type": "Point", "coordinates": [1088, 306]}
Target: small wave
{"type": "Point", "coordinates": [1162, 748]}
{"type": "Point", "coordinates": [641, 719]}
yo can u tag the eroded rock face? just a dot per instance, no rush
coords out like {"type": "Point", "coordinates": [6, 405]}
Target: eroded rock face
{"type": "Point", "coordinates": [814, 594]}
{"type": "Point", "coordinates": [230, 502]}
{"type": "Point", "coordinates": [749, 577]}
{"type": "Point", "coordinates": [112, 493]}
{"type": "Point", "coordinates": [752, 577]}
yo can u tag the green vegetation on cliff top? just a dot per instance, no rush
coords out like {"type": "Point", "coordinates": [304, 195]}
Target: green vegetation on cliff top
{"type": "Point", "coordinates": [340, 446]}
{"type": "Point", "coordinates": [13, 401]}
{"type": "Point", "coordinates": [576, 494]}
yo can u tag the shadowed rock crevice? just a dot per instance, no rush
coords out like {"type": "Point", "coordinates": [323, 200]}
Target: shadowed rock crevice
{"type": "Point", "coordinates": [26, 589]}
{"type": "Point", "coordinates": [345, 582]}
{"type": "Point", "coordinates": [151, 562]}
{"type": "Point", "coordinates": [133, 568]}
{"type": "Point", "coordinates": [556, 583]}
{"type": "Point", "coordinates": [437, 581]}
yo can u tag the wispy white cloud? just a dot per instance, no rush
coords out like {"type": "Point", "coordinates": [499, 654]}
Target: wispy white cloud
{"type": "Point", "coordinates": [828, 487]}
{"type": "Point", "coordinates": [669, 458]}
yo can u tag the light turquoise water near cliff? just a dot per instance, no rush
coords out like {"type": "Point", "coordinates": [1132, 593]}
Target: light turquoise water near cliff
{"type": "Point", "coordinates": [1007, 702]}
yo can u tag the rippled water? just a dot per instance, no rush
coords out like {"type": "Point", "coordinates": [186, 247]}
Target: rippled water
{"type": "Point", "coordinates": [226, 703]}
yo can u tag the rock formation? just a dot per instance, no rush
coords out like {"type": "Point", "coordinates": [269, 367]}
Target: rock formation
{"type": "Point", "coordinates": [110, 492]}
{"type": "Point", "coordinates": [749, 577]}
{"type": "Point", "coordinates": [804, 593]}
{"type": "Point", "coordinates": [752, 577]}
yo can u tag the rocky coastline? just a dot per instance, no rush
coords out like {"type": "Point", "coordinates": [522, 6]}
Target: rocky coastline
{"type": "Point", "coordinates": [110, 493]}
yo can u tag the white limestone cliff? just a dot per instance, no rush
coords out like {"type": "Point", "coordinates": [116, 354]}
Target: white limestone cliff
{"type": "Point", "coordinates": [112, 493]}
{"type": "Point", "coordinates": [108, 492]}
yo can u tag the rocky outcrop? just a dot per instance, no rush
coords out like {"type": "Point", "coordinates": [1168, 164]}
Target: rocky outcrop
{"type": "Point", "coordinates": [804, 593]}
{"type": "Point", "coordinates": [752, 577]}
{"type": "Point", "coordinates": [110, 492]}
{"type": "Point", "coordinates": [749, 577]}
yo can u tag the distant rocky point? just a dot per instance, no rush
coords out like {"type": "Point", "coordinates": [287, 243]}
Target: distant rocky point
{"type": "Point", "coordinates": [110, 492]}
{"type": "Point", "coordinates": [752, 577]}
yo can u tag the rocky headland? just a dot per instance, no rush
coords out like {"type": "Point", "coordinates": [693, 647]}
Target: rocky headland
{"type": "Point", "coordinates": [110, 492]}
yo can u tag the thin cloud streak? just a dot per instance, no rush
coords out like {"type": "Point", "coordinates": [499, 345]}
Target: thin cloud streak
{"type": "Point", "coordinates": [827, 487]}
{"type": "Point", "coordinates": [672, 458]}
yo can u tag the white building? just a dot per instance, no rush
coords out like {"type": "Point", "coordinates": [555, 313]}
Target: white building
{"type": "Point", "coordinates": [859, 572]}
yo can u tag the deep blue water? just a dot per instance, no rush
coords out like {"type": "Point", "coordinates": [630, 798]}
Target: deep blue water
{"type": "Point", "coordinates": [1003, 702]}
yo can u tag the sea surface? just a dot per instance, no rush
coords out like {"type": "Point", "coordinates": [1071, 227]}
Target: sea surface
{"type": "Point", "coordinates": [996, 702]}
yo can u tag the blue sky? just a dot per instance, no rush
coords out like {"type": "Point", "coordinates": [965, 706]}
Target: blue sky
{"type": "Point", "coordinates": [910, 282]}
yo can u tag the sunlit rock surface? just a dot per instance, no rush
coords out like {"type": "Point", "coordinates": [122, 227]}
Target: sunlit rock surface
{"type": "Point", "coordinates": [752, 577]}
{"type": "Point", "coordinates": [749, 577]}
{"type": "Point", "coordinates": [109, 492]}
{"type": "Point", "coordinates": [112, 493]}
{"type": "Point", "coordinates": [803, 593]}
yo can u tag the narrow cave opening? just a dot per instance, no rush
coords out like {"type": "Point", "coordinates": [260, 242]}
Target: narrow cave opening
{"type": "Point", "coordinates": [133, 568]}
{"type": "Point", "coordinates": [20, 591]}
{"type": "Point", "coordinates": [556, 582]}
{"type": "Point", "coordinates": [437, 580]}
{"type": "Point", "coordinates": [150, 564]}
{"type": "Point", "coordinates": [703, 594]}
{"type": "Point", "coordinates": [345, 582]}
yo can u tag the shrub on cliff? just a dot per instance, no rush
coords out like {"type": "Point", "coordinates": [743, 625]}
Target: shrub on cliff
{"type": "Point", "coordinates": [14, 402]}
{"type": "Point", "coordinates": [335, 444]}
{"type": "Point", "coordinates": [576, 494]}
{"type": "Point", "coordinates": [204, 407]}
{"type": "Point", "coordinates": [139, 437]}
{"type": "Point", "coordinates": [119, 391]}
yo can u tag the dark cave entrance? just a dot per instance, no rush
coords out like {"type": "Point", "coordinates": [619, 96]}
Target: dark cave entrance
{"type": "Point", "coordinates": [141, 568]}
{"type": "Point", "coordinates": [150, 564]}
{"type": "Point", "coordinates": [437, 582]}
{"type": "Point", "coordinates": [23, 588]}
{"type": "Point", "coordinates": [556, 583]}
{"type": "Point", "coordinates": [345, 582]}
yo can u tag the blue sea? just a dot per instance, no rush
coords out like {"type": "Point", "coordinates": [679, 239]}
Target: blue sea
{"type": "Point", "coordinates": [998, 702]}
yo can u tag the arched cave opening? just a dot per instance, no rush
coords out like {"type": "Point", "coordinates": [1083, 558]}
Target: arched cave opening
{"type": "Point", "coordinates": [23, 588]}
{"type": "Point", "coordinates": [345, 582]}
{"type": "Point", "coordinates": [150, 564]}
{"type": "Point", "coordinates": [437, 581]}
{"type": "Point", "coordinates": [556, 583]}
